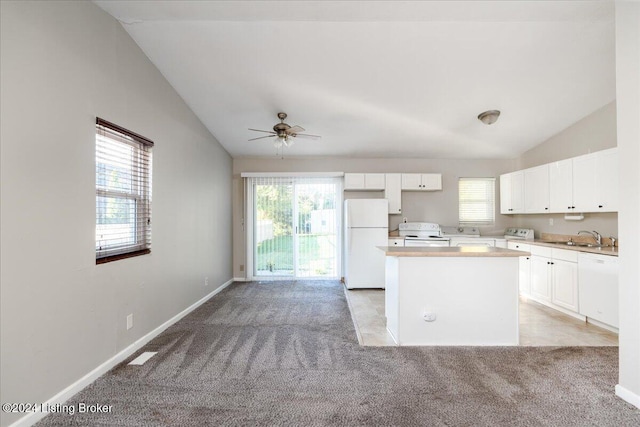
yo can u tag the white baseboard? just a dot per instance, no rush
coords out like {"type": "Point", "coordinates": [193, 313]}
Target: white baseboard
{"type": "Point", "coordinates": [64, 395]}
{"type": "Point", "coordinates": [628, 396]}
{"type": "Point", "coordinates": [240, 279]}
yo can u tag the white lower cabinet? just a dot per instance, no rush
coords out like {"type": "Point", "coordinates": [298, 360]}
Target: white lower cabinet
{"type": "Point", "coordinates": [396, 241]}
{"type": "Point", "coordinates": [540, 278]}
{"type": "Point", "coordinates": [564, 288]}
{"type": "Point", "coordinates": [524, 267]}
{"type": "Point", "coordinates": [554, 277]}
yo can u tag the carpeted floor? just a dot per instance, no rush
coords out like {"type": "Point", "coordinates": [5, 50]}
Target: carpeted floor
{"type": "Point", "coordinates": [286, 353]}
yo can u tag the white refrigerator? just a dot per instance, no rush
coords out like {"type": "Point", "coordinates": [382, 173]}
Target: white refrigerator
{"type": "Point", "coordinates": [366, 226]}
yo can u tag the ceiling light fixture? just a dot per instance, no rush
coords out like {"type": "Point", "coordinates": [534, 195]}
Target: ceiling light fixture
{"type": "Point", "coordinates": [489, 117]}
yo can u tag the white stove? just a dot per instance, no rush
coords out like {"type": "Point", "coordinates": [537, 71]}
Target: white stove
{"type": "Point", "coordinates": [470, 236]}
{"type": "Point", "coordinates": [424, 234]}
{"type": "Point", "coordinates": [518, 234]}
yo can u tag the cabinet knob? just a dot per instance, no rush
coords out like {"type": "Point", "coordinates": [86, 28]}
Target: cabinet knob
{"type": "Point", "coordinates": [599, 206]}
{"type": "Point", "coordinates": [573, 207]}
{"type": "Point", "coordinates": [546, 209]}
{"type": "Point", "coordinates": [568, 207]}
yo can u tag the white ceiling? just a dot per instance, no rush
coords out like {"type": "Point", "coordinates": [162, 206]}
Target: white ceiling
{"type": "Point", "coordinates": [382, 78]}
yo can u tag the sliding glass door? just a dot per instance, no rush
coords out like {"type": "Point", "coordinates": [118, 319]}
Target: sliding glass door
{"type": "Point", "coordinates": [295, 227]}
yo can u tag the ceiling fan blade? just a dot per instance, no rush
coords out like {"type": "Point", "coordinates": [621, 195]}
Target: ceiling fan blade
{"type": "Point", "coordinates": [265, 131]}
{"type": "Point", "coordinates": [260, 137]}
{"type": "Point", "coordinates": [295, 129]}
{"type": "Point", "coordinates": [306, 135]}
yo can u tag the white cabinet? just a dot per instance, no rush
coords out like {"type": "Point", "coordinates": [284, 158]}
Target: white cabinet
{"type": "Point", "coordinates": [598, 284]}
{"type": "Point", "coordinates": [595, 182]}
{"type": "Point", "coordinates": [561, 186]}
{"type": "Point", "coordinates": [421, 181]}
{"type": "Point", "coordinates": [393, 192]}
{"type": "Point", "coordinates": [536, 189]}
{"type": "Point", "coordinates": [564, 279]}
{"type": "Point", "coordinates": [541, 278]}
{"type": "Point", "coordinates": [554, 277]}
{"type": "Point", "coordinates": [512, 193]}
{"type": "Point", "coordinates": [396, 241]}
{"type": "Point", "coordinates": [524, 267]}
{"type": "Point", "coordinates": [364, 181]}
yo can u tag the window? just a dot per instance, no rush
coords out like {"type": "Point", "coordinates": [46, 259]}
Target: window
{"type": "Point", "coordinates": [477, 201]}
{"type": "Point", "coordinates": [123, 193]}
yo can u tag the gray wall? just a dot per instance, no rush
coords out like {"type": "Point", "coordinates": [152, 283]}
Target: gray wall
{"type": "Point", "coordinates": [595, 132]}
{"type": "Point", "coordinates": [438, 206]}
{"type": "Point", "coordinates": [63, 64]}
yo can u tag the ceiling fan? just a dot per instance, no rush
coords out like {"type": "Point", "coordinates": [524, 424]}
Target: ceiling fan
{"type": "Point", "coordinates": [283, 133]}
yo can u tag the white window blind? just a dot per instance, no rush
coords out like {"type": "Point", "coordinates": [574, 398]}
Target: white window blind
{"type": "Point", "coordinates": [123, 193]}
{"type": "Point", "coordinates": [477, 201]}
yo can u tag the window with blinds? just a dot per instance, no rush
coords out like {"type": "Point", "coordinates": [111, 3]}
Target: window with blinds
{"type": "Point", "coordinates": [476, 198]}
{"type": "Point", "coordinates": [123, 193]}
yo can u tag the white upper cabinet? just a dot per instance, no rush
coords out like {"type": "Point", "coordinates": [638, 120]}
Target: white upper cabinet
{"type": "Point", "coordinates": [512, 193]}
{"type": "Point", "coordinates": [561, 186]}
{"type": "Point", "coordinates": [536, 189]}
{"type": "Point", "coordinates": [421, 181]}
{"type": "Point", "coordinates": [364, 181]}
{"type": "Point", "coordinates": [393, 193]}
{"type": "Point", "coordinates": [595, 182]}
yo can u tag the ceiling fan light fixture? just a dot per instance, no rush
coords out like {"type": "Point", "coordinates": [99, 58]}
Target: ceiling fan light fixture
{"type": "Point", "coordinates": [489, 117]}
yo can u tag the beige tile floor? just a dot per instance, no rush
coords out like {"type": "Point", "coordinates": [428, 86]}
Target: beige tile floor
{"type": "Point", "coordinates": [539, 325]}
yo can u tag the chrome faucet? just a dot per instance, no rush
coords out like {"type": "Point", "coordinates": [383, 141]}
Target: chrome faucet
{"type": "Point", "coordinates": [595, 235]}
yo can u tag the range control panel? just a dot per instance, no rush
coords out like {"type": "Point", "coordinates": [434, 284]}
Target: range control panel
{"type": "Point", "coordinates": [519, 233]}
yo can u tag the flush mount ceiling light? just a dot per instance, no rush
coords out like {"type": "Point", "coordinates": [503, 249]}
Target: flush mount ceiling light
{"type": "Point", "coordinates": [489, 117]}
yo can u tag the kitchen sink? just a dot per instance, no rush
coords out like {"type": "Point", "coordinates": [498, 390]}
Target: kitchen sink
{"type": "Point", "coordinates": [579, 244]}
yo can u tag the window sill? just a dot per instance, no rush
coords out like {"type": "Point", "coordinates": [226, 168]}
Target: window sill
{"type": "Point", "coordinates": [111, 258]}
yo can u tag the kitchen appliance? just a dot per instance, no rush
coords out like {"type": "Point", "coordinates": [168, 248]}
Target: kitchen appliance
{"type": "Point", "coordinates": [518, 234]}
{"type": "Point", "coordinates": [468, 236]}
{"type": "Point", "coordinates": [366, 227]}
{"type": "Point", "coordinates": [422, 234]}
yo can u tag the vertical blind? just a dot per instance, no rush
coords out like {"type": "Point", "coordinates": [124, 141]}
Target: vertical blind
{"type": "Point", "coordinates": [295, 226]}
{"type": "Point", "coordinates": [123, 192]}
{"type": "Point", "coordinates": [476, 197]}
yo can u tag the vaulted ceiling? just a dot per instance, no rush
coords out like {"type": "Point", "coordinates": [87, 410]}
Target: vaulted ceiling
{"type": "Point", "coordinates": [382, 78]}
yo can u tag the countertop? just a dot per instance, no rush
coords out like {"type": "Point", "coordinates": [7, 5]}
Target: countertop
{"type": "Point", "coordinates": [611, 251]}
{"type": "Point", "coordinates": [460, 252]}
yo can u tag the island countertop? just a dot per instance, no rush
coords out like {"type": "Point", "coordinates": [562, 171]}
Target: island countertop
{"type": "Point", "coordinates": [464, 251]}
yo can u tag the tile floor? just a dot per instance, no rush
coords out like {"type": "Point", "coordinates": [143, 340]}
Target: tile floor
{"type": "Point", "coordinates": [539, 325]}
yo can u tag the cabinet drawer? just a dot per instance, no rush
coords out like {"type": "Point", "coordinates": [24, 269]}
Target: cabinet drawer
{"type": "Point", "coordinates": [540, 251]}
{"type": "Point", "coordinates": [519, 246]}
{"type": "Point", "coordinates": [565, 255]}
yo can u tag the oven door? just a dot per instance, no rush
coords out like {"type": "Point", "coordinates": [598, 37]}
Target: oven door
{"type": "Point", "coordinates": [426, 243]}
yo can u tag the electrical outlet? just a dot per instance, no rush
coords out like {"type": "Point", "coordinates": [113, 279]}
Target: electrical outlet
{"type": "Point", "coordinates": [206, 281]}
{"type": "Point", "coordinates": [130, 321]}
{"type": "Point", "coordinates": [241, 267]}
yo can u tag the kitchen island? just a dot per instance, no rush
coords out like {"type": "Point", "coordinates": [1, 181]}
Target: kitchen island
{"type": "Point", "coordinates": [452, 295]}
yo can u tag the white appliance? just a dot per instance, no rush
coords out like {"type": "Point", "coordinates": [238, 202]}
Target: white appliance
{"type": "Point", "coordinates": [598, 287]}
{"type": "Point", "coordinates": [518, 234]}
{"type": "Point", "coordinates": [468, 236]}
{"type": "Point", "coordinates": [422, 234]}
{"type": "Point", "coordinates": [366, 226]}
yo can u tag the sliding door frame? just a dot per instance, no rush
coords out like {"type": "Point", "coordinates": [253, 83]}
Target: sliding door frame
{"type": "Point", "coordinates": [249, 222]}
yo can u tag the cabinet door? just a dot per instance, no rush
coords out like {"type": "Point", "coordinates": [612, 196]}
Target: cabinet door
{"type": "Point", "coordinates": [536, 189]}
{"type": "Point", "coordinates": [517, 192]}
{"type": "Point", "coordinates": [561, 186]}
{"type": "Point", "coordinates": [505, 194]}
{"type": "Point", "coordinates": [396, 242]}
{"type": "Point", "coordinates": [565, 284]}
{"type": "Point", "coordinates": [374, 181]}
{"type": "Point", "coordinates": [393, 193]}
{"type": "Point", "coordinates": [540, 280]}
{"type": "Point", "coordinates": [584, 183]}
{"type": "Point", "coordinates": [525, 275]}
{"type": "Point", "coordinates": [606, 198]}
{"type": "Point", "coordinates": [354, 181]}
{"type": "Point", "coordinates": [411, 181]}
{"type": "Point", "coordinates": [431, 181]}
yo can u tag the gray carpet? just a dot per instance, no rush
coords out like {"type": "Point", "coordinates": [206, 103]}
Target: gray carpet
{"type": "Point", "coordinates": [286, 353]}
